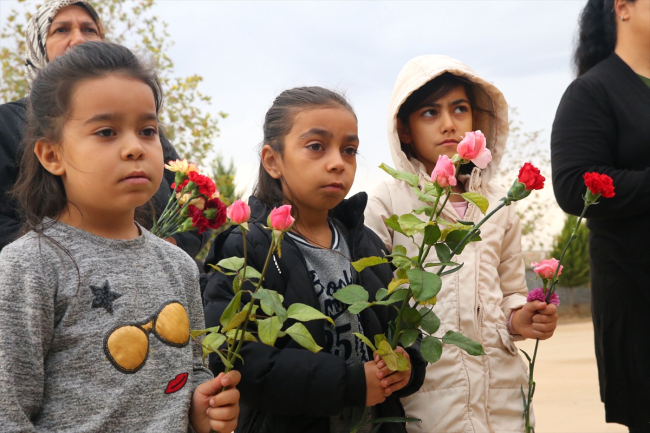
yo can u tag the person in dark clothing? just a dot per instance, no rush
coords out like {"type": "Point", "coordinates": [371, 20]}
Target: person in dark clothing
{"type": "Point", "coordinates": [309, 160]}
{"type": "Point", "coordinates": [58, 26]}
{"type": "Point", "coordinates": [603, 125]}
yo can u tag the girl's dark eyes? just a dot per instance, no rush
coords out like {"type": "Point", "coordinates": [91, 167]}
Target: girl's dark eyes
{"type": "Point", "coordinates": [461, 109]}
{"type": "Point", "coordinates": [315, 146]}
{"type": "Point", "coordinates": [150, 132]}
{"type": "Point", "coordinates": [352, 151]}
{"type": "Point", "coordinates": [105, 133]}
{"type": "Point", "coordinates": [430, 113]}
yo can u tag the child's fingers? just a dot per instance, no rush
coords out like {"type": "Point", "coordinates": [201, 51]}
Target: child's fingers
{"type": "Point", "coordinates": [227, 397]}
{"type": "Point", "coordinates": [224, 413]}
{"type": "Point", "coordinates": [396, 386]}
{"type": "Point", "coordinates": [543, 318]}
{"type": "Point", "coordinates": [210, 387]}
{"type": "Point", "coordinates": [231, 379]}
{"type": "Point", "coordinates": [223, 426]}
{"type": "Point", "coordinates": [548, 310]}
{"type": "Point", "coordinates": [394, 378]}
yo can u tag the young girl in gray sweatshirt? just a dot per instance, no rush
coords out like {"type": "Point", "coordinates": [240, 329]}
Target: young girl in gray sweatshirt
{"type": "Point", "coordinates": [95, 311]}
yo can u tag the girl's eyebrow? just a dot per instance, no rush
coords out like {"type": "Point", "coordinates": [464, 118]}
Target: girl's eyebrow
{"type": "Point", "coordinates": [112, 116]}
{"type": "Point", "coordinates": [428, 104]}
{"type": "Point", "coordinates": [317, 131]}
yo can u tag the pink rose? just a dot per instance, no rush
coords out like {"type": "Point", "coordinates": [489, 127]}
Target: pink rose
{"type": "Point", "coordinates": [238, 212]}
{"type": "Point", "coordinates": [546, 268]}
{"type": "Point", "coordinates": [280, 218]}
{"type": "Point", "coordinates": [539, 295]}
{"type": "Point", "coordinates": [473, 148]}
{"type": "Point", "coordinates": [444, 171]}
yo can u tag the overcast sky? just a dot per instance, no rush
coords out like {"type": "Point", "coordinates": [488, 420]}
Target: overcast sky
{"type": "Point", "coordinates": [248, 52]}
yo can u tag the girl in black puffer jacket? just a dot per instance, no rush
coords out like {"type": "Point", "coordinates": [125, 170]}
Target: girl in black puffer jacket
{"type": "Point", "coordinates": [309, 161]}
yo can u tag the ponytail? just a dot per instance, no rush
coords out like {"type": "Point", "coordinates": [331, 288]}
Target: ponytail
{"type": "Point", "coordinates": [597, 35]}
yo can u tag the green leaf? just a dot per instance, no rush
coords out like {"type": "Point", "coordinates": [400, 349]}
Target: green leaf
{"type": "Point", "coordinates": [400, 262]}
{"type": "Point", "coordinates": [468, 345]}
{"type": "Point", "coordinates": [403, 364]}
{"type": "Point", "coordinates": [410, 178]}
{"type": "Point", "coordinates": [398, 295]}
{"type": "Point", "coordinates": [365, 340]}
{"type": "Point", "coordinates": [379, 338]}
{"type": "Point", "coordinates": [394, 224]}
{"type": "Point", "coordinates": [301, 335]}
{"type": "Point", "coordinates": [395, 283]}
{"type": "Point", "coordinates": [272, 301]}
{"type": "Point", "coordinates": [430, 265]}
{"type": "Point", "coordinates": [430, 322]}
{"type": "Point", "coordinates": [431, 349]}
{"type": "Point", "coordinates": [427, 210]}
{"type": "Point", "coordinates": [231, 310]}
{"type": "Point", "coordinates": [451, 271]}
{"type": "Point", "coordinates": [381, 294]}
{"type": "Point", "coordinates": [422, 196]}
{"type": "Point", "coordinates": [386, 352]}
{"type": "Point", "coordinates": [431, 234]}
{"type": "Point", "coordinates": [213, 341]}
{"type": "Point", "coordinates": [409, 336]}
{"type": "Point", "coordinates": [198, 332]}
{"type": "Point", "coordinates": [465, 223]}
{"type": "Point", "coordinates": [455, 225]}
{"type": "Point", "coordinates": [395, 419]}
{"type": "Point", "coordinates": [251, 272]}
{"type": "Point", "coordinates": [401, 272]}
{"type": "Point", "coordinates": [411, 317]}
{"type": "Point", "coordinates": [236, 285]}
{"type": "Point", "coordinates": [305, 313]}
{"type": "Point", "coordinates": [443, 252]}
{"type": "Point", "coordinates": [411, 224]}
{"type": "Point", "coordinates": [237, 320]}
{"type": "Point", "coordinates": [268, 329]}
{"type": "Point", "coordinates": [424, 285]}
{"type": "Point", "coordinates": [358, 307]}
{"type": "Point", "coordinates": [351, 294]}
{"type": "Point", "coordinates": [526, 355]}
{"type": "Point", "coordinates": [231, 263]}
{"type": "Point", "coordinates": [366, 262]}
{"type": "Point", "coordinates": [247, 335]}
{"type": "Point", "coordinates": [454, 239]}
{"type": "Point", "coordinates": [477, 200]}
{"type": "Point", "coordinates": [224, 360]}
{"type": "Point", "coordinates": [218, 269]}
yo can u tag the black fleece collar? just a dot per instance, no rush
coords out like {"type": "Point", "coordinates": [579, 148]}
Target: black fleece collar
{"type": "Point", "coordinates": [349, 212]}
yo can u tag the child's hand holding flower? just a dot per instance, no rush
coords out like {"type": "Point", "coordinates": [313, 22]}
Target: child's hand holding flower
{"type": "Point", "coordinates": [214, 408]}
{"type": "Point", "coordinates": [536, 319]}
{"type": "Point", "coordinates": [393, 380]}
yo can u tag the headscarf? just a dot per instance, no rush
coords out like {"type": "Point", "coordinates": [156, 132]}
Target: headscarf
{"type": "Point", "coordinates": [39, 27]}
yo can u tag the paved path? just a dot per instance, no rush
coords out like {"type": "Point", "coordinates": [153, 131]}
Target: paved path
{"type": "Point", "coordinates": [567, 397]}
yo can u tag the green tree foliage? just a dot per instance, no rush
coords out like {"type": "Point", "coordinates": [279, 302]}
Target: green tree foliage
{"type": "Point", "coordinates": [575, 271]}
{"type": "Point", "coordinates": [187, 123]}
{"type": "Point", "coordinates": [527, 146]}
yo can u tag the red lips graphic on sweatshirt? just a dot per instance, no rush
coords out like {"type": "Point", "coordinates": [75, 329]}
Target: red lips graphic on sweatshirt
{"type": "Point", "coordinates": [176, 383]}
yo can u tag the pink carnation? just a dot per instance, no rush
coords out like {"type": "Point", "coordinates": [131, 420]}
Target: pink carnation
{"type": "Point", "coordinates": [539, 295]}
{"type": "Point", "coordinates": [444, 172]}
{"type": "Point", "coordinates": [546, 268]}
{"type": "Point", "coordinates": [473, 148]}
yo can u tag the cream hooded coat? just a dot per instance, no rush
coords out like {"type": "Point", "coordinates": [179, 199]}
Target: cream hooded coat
{"type": "Point", "coordinates": [463, 393]}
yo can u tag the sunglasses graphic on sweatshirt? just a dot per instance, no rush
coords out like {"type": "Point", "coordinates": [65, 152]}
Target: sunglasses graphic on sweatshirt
{"type": "Point", "coordinates": [127, 346]}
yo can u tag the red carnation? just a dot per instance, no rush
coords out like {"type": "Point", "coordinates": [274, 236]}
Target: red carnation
{"type": "Point", "coordinates": [181, 186]}
{"type": "Point", "coordinates": [205, 184]}
{"type": "Point", "coordinates": [599, 184]}
{"type": "Point", "coordinates": [219, 213]}
{"type": "Point", "coordinates": [529, 176]}
{"type": "Point", "coordinates": [198, 220]}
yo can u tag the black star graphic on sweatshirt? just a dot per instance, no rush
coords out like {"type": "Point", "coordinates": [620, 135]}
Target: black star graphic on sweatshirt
{"type": "Point", "coordinates": [104, 297]}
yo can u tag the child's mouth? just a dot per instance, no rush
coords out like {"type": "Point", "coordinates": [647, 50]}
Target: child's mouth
{"type": "Point", "coordinates": [334, 187]}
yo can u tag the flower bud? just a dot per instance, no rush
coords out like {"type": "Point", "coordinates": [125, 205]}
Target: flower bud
{"type": "Point", "coordinates": [238, 212]}
{"type": "Point", "coordinates": [280, 218]}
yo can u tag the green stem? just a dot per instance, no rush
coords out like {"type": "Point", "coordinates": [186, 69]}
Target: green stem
{"type": "Point", "coordinates": [469, 234]}
{"type": "Point", "coordinates": [531, 388]}
{"type": "Point", "coordinates": [398, 325]}
{"type": "Point", "coordinates": [566, 247]}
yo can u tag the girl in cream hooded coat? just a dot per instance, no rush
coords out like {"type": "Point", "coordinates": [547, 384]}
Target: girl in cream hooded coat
{"type": "Point", "coordinates": [464, 393]}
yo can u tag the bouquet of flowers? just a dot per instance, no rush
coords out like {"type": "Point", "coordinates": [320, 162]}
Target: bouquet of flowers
{"type": "Point", "coordinates": [193, 205]}
{"type": "Point", "coordinates": [598, 185]}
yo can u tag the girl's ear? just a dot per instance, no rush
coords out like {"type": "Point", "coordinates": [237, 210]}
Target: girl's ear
{"type": "Point", "coordinates": [50, 157]}
{"type": "Point", "coordinates": [271, 162]}
{"type": "Point", "coordinates": [404, 132]}
{"type": "Point", "coordinates": [622, 10]}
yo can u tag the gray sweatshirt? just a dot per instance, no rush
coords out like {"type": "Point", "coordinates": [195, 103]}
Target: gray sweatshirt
{"type": "Point", "coordinates": [97, 339]}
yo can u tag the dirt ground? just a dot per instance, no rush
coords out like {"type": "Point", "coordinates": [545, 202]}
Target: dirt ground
{"type": "Point", "coordinates": [567, 397]}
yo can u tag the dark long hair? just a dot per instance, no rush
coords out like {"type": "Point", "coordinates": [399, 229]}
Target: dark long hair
{"type": "Point", "coordinates": [596, 36]}
{"type": "Point", "coordinates": [277, 125]}
{"type": "Point", "coordinates": [436, 89]}
{"type": "Point", "coordinates": [39, 193]}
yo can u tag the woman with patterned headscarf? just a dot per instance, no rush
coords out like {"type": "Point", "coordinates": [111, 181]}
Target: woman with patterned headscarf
{"type": "Point", "coordinates": [57, 27]}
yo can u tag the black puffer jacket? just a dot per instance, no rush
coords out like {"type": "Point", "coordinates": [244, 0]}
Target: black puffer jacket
{"type": "Point", "coordinates": [287, 388]}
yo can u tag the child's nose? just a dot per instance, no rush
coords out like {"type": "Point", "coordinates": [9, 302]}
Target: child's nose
{"type": "Point", "coordinates": [133, 149]}
{"type": "Point", "coordinates": [335, 162]}
{"type": "Point", "coordinates": [447, 124]}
